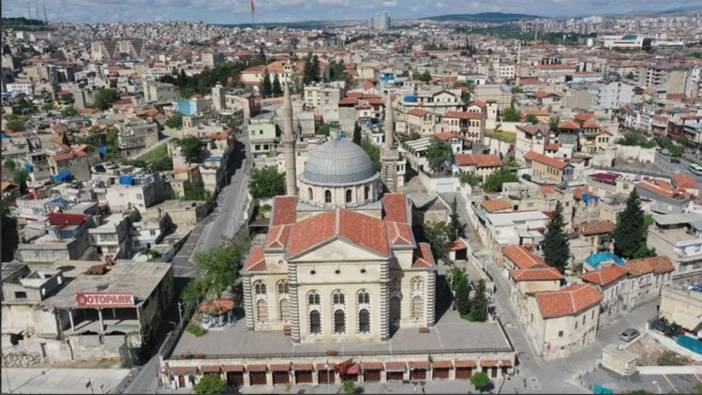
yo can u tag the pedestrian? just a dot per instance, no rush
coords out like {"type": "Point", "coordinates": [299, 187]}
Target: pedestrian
{"type": "Point", "coordinates": [525, 382]}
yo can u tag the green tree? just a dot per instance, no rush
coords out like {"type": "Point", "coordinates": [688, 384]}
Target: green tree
{"type": "Point", "coordinates": [373, 152]}
{"type": "Point", "coordinates": [10, 237]}
{"type": "Point", "coordinates": [192, 148]}
{"type": "Point", "coordinates": [424, 76]}
{"type": "Point", "coordinates": [196, 193]}
{"type": "Point", "coordinates": [20, 177]}
{"type": "Point", "coordinates": [16, 124]}
{"type": "Point", "coordinates": [164, 163]}
{"type": "Point", "coordinates": [481, 381]}
{"type": "Point", "coordinates": [277, 90]}
{"type": "Point", "coordinates": [68, 112]}
{"type": "Point", "coordinates": [210, 384]}
{"type": "Point", "coordinates": [455, 228]}
{"type": "Point", "coordinates": [436, 233]}
{"type": "Point", "coordinates": [105, 97]}
{"type": "Point", "coordinates": [349, 386]}
{"type": "Point", "coordinates": [697, 389]}
{"type": "Point", "coordinates": [9, 165]}
{"type": "Point", "coordinates": [465, 96]}
{"type": "Point", "coordinates": [175, 121]}
{"type": "Point", "coordinates": [266, 85]}
{"type": "Point", "coordinates": [325, 128]}
{"type": "Point", "coordinates": [531, 118]}
{"type": "Point", "coordinates": [553, 123]}
{"type": "Point", "coordinates": [479, 303]}
{"type": "Point", "coordinates": [218, 267]}
{"type": "Point", "coordinates": [266, 182]}
{"type": "Point", "coordinates": [495, 180]}
{"type": "Point", "coordinates": [555, 244]}
{"type": "Point", "coordinates": [440, 156]}
{"type": "Point", "coordinates": [630, 234]}
{"type": "Point", "coordinates": [462, 289]}
{"type": "Point", "coordinates": [511, 115]}
{"type": "Point", "coordinates": [469, 178]}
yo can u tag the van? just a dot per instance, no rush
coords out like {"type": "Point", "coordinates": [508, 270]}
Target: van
{"type": "Point", "coordinates": [695, 169]}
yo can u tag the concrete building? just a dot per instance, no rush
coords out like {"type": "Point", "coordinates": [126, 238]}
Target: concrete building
{"type": "Point", "coordinates": [324, 99]}
{"type": "Point", "coordinates": [615, 95]}
{"type": "Point", "coordinates": [682, 306]}
{"type": "Point", "coordinates": [135, 136]}
{"type": "Point", "coordinates": [380, 22]}
{"type": "Point", "coordinates": [136, 192]}
{"type": "Point", "coordinates": [679, 237]}
{"type": "Point", "coordinates": [159, 92]}
{"type": "Point", "coordinates": [263, 134]}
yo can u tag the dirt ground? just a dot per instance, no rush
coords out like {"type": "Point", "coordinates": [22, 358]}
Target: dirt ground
{"type": "Point", "coordinates": [652, 353]}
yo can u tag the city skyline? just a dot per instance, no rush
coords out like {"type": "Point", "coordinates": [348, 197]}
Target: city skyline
{"type": "Point", "coordinates": [287, 11]}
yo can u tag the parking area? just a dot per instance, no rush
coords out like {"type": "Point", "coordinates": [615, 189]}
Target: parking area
{"type": "Point", "coordinates": [61, 381]}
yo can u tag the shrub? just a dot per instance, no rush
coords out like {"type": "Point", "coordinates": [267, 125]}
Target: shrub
{"type": "Point", "coordinates": [196, 330]}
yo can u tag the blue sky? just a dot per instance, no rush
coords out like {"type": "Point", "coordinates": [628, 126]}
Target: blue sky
{"type": "Point", "coordinates": [237, 11]}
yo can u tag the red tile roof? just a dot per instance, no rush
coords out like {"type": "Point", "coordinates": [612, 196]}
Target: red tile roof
{"type": "Point", "coordinates": [684, 181]}
{"type": "Point", "coordinates": [578, 192]}
{"type": "Point", "coordinates": [399, 233]}
{"type": "Point", "coordinates": [464, 115]}
{"type": "Point", "coordinates": [446, 136]}
{"type": "Point", "coordinates": [596, 228]}
{"type": "Point", "coordinates": [478, 160]}
{"type": "Point", "coordinates": [284, 210]}
{"type": "Point", "coordinates": [521, 257]}
{"type": "Point", "coordinates": [395, 207]}
{"type": "Point", "coordinates": [536, 273]}
{"type": "Point", "coordinates": [493, 205]}
{"type": "Point", "coordinates": [278, 236]}
{"type": "Point", "coordinates": [656, 264]}
{"type": "Point", "coordinates": [256, 261]}
{"type": "Point", "coordinates": [529, 129]}
{"type": "Point", "coordinates": [418, 112]}
{"type": "Point", "coordinates": [605, 276]}
{"type": "Point", "coordinates": [548, 161]}
{"type": "Point", "coordinates": [423, 256]}
{"type": "Point", "coordinates": [359, 229]}
{"type": "Point", "coordinates": [569, 124]}
{"type": "Point", "coordinates": [570, 300]}
{"type": "Point", "coordinates": [456, 245]}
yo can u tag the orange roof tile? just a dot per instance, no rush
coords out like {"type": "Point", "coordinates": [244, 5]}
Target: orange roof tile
{"type": "Point", "coordinates": [284, 210]}
{"type": "Point", "coordinates": [478, 160]}
{"type": "Point", "coordinates": [423, 256]}
{"type": "Point", "coordinates": [570, 300]}
{"type": "Point", "coordinates": [521, 257]}
{"type": "Point", "coordinates": [399, 233]}
{"type": "Point", "coordinates": [493, 205]}
{"type": "Point", "coordinates": [596, 227]}
{"type": "Point", "coordinates": [656, 264]}
{"type": "Point", "coordinates": [605, 276]}
{"type": "Point", "coordinates": [256, 261]}
{"type": "Point", "coordinates": [548, 161]}
{"type": "Point", "coordinates": [536, 273]}
{"type": "Point", "coordinates": [395, 207]}
{"type": "Point", "coordinates": [684, 181]}
{"type": "Point", "coordinates": [464, 115]}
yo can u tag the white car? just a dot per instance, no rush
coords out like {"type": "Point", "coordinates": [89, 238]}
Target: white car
{"type": "Point", "coordinates": [695, 169]}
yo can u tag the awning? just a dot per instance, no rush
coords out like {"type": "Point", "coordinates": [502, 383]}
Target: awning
{"type": "Point", "coordinates": [280, 368]}
{"type": "Point", "coordinates": [492, 363]}
{"type": "Point", "coordinates": [256, 368]}
{"type": "Point", "coordinates": [324, 366]}
{"type": "Point", "coordinates": [181, 370]}
{"type": "Point", "coordinates": [442, 364]}
{"type": "Point", "coordinates": [395, 366]}
{"type": "Point", "coordinates": [416, 365]}
{"type": "Point", "coordinates": [465, 364]}
{"type": "Point", "coordinates": [209, 369]}
{"type": "Point", "coordinates": [304, 367]}
{"type": "Point", "coordinates": [232, 368]}
{"type": "Point", "coordinates": [372, 365]}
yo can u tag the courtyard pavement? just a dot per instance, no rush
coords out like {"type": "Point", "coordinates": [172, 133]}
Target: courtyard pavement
{"type": "Point", "coordinates": [61, 381]}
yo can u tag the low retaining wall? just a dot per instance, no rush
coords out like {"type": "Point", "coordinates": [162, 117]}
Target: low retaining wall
{"type": "Point", "coordinates": [673, 346]}
{"type": "Point", "coordinates": [658, 370]}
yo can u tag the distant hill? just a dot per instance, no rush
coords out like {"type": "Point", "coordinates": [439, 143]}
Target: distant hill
{"type": "Point", "coordinates": [496, 17]}
{"type": "Point", "coordinates": [22, 23]}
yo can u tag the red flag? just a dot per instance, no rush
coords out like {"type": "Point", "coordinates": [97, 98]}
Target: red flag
{"type": "Point", "coordinates": [253, 5]}
{"type": "Point", "coordinates": [342, 368]}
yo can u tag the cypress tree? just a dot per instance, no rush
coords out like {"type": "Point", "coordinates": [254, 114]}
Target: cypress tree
{"type": "Point", "coordinates": [277, 89]}
{"type": "Point", "coordinates": [629, 234]}
{"type": "Point", "coordinates": [555, 245]}
{"type": "Point", "coordinates": [479, 303]}
{"type": "Point", "coordinates": [266, 86]}
{"type": "Point", "coordinates": [455, 227]}
{"type": "Point", "coordinates": [462, 295]}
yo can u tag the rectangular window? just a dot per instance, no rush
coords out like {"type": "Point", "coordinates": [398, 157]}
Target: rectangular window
{"type": "Point", "coordinates": [560, 333]}
{"type": "Point", "coordinates": [20, 295]}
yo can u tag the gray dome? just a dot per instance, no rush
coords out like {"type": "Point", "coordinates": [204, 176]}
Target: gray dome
{"type": "Point", "coordinates": [338, 162]}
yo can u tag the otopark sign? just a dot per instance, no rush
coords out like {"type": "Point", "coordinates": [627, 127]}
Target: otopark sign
{"type": "Point", "coordinates": [104, 299]}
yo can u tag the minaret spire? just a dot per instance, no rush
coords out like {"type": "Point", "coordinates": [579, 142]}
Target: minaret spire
{"type": "Point", "coordinates": [289, 145]}
{"type": "Point", "coordinates": [389, 155]}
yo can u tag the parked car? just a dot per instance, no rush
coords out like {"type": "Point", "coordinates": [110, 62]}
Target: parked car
{"type": "Point", "coordinates": [695, 169]}
{"type": "Point", "coordinates": [629, 334]}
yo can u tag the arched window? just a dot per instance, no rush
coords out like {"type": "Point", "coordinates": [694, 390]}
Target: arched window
{"type": "Point", "coordinates": [363, 321]}
{"type": "Point", "coordinates": [315, 322]}
{"type": "Point", "coordinates": [327, 196]}
{"type": "Point", "coordinates": [366, 192]}
{"type": "Point", "coordinates": [310, 194]}
{"type": "Point", "coordinates": [417, 310]}
{"type": "Point", "coordinates": [282, 287]}
{"type": "Point", "coordinates": [363, 297]}
{"type": "Point", "coordinates": [338, 297]}
{"type": "Point", "coordinates": [417, 284]}
{"type": "Point", "coordinates": [349, 196]}
{"type": "Point", "coordinates": [339, 321]}
{"type": "Point", "coordinates": [313, 298]}
{"type": "Point", "coordinates": [260, 288]}
{"type": "Point", "coordinates": [262, 311]}
{"type": "Point", "coordinates": [284, 311]}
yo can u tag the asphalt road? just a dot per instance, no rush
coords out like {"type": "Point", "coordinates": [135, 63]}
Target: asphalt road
{"type": "Point", "coordinates": [224, 222]}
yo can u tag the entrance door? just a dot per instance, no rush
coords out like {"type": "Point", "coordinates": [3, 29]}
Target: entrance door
{"type": "Point", "coordinates": [441, 373]}
{"type": "Point", "coordinates": [181, 381]}
{"type": "Point", "coordinates": [464, 373]}
{"type": "Point", "coordinates": [418, 374]}
{"type": "Point", "coordinates": [302, 377]}
{"type": "Point", "coordinates": [326, 377]}
{"type": "Point", "coordinates": [371, 376]}
{"type": "Point", "coordinates": [395, 376]}
{"type": "Point", "coordinates": [281, 377]}
{"type": "Point", "coordinates": [257, 378]}
{"type": "Point", "coordinates": [235, 379]}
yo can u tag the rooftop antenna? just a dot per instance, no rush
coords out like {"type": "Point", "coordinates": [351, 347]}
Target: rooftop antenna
{"type": "Point", "coordinates": [253, 8]}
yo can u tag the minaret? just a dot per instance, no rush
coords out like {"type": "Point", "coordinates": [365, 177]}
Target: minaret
{"type": "Point", "coordinates": [289, 146]}
{"type": "Point", "coordinates": [518, 69]}
{"type": "Point", "coordinates": [389, 155]}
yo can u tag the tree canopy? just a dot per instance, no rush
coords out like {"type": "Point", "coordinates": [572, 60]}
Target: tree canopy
{"type": "Point", "coordinates": [479, 303]}
{"type": "Point", "coordinates": [373, 151]}
{"type": "Point", "coordinates": [495, 180]}
{"type": "Point", "coordinates": [266, 182]}
{"type": "Point", "coordinates": [440, 156]}
{"type": "Point", "coordinates": [455, 228]}
{"type": "Point", "coordinates": [68, 112]}
{"type": "Point", "coordinates": [210, 384]}
{"type": "Point", "coordinates": [630, 234]}
{"type": "Point", "coordinates": [266, 85]}
{"type": "Point", "coordinates": [104, 97]}
{"type": "Point", "coordinates": [511, 115]}
{"type": "Point", "coordinates": [175, 121]}
{"type": "Point", "coordinates": [436, 233]}
{"type": "Point", "coordinates": [192, 149]}
{"type": "Point", "coordinates": [555, 245]}
{"type": "Point", "coordinates": [481, 381]}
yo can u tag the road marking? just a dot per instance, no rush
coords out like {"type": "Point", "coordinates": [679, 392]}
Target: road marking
{"type": "Point", "coordinates": [669, 382]}
{"type": "Point", "coordinates": [698, 378]}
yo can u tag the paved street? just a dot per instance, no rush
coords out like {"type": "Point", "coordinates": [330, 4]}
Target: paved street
{"type": "Point", "coordinates": [61, 381]}
{"type": "Point", "coordinates": [224, 222]}
{"type": "Point", "coordinates": [146, 381]}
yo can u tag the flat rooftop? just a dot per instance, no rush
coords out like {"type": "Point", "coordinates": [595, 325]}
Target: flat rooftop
{"type": "Point", "coordinates": [450, 335]}
{"type": "Point", "coordinates": [138, 278]}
